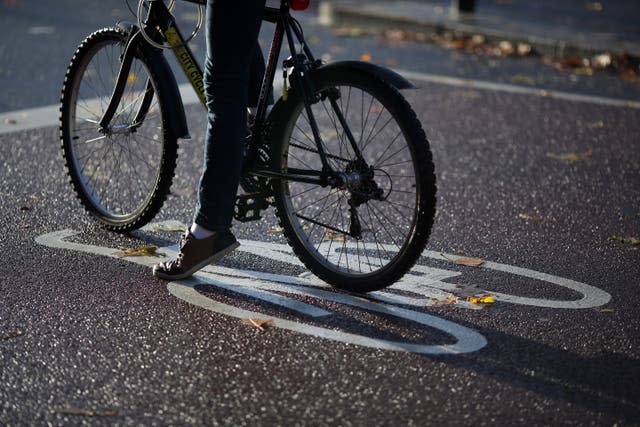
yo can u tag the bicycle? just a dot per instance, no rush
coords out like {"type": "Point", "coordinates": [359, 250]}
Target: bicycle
{"type": "Point", "coordinates": [341, 156]}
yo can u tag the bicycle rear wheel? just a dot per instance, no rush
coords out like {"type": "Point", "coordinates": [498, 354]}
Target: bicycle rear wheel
{"type": "Point", "coordinates": [121, 175]}
{"type": "Point", "coordinates": [366, 234]}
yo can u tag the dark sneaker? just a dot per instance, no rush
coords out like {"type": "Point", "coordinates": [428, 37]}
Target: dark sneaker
{"type": "Point", "coordinates": [195, 254]}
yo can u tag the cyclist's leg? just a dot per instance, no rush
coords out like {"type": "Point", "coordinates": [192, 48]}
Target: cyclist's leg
{"type": "Point", "coordinates": [232, 31]}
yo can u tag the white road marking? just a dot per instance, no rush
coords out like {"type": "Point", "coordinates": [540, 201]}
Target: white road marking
{"type": "Point", "coordinates": [510, 88]}
{"type": "Point", "coordinates": [39, 117]}
{"type": "Point", "coordinates": [419, 287]}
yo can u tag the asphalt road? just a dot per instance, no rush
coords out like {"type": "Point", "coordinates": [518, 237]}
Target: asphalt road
{"type": "Point", "coordinates": [535, 185]}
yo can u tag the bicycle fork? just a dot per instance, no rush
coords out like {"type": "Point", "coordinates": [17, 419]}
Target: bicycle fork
{"type": "Point", "coordinates": [158, 17]}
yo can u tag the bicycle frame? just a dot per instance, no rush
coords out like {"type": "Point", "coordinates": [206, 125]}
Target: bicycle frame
{"type": "Point", "coordinates": [160, 18]}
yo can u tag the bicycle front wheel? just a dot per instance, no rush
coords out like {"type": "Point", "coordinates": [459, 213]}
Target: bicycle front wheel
{"type": "Point", "coordinates": [121, 174]}
{"type": "Point", "coordinates": [367, 232]}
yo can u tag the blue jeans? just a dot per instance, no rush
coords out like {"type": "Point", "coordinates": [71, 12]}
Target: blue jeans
{"type": "Point", "coordinates": [234, 67]}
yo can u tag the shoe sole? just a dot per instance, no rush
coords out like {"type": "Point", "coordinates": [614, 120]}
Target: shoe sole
{"type": "Point", "coordinates": [213, 258]}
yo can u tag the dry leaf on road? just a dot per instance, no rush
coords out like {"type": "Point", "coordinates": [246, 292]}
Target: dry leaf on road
{"type": "Point", "coordinates": [148, 250]}
{"type": "Point", "coordinates": [87, 413]}
{"type": "Point", "coordinates": [258, 323]}
{"type": "Point", "coordinates": [469, 262]}
{"type": "Point", "coordinates": [571, 157]}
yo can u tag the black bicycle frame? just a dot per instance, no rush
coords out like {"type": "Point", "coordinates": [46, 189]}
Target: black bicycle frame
{"type": "Point", "coordinates": [161, 25]}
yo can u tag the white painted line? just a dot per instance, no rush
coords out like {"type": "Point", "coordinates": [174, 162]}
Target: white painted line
{"type": "Point", "coordinates": [418, 288]}
{"type": "Point", "coordinates": [509, 88]}
{"type": "Point", "coordinates": [31, 118]}
{"type": "Point", "coordinates": [467, 340]}
{"type": "Point", "coordinates": [35, 118]}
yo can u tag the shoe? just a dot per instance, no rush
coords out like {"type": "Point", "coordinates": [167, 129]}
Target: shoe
{"type": "Point", "coordinates": [195, 254]}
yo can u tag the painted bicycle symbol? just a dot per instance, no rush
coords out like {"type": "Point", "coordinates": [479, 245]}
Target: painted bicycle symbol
{"type": "Point", "coordinates": [405, 300]}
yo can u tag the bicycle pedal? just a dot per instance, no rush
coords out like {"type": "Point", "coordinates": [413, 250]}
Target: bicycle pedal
{"type": "Point", "coordinates": [248, 207]}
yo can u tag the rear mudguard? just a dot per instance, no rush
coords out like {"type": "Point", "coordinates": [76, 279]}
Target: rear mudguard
{"type": "Point", "coordinates": [280, 110]}
{"type": "Point", "coordinates": [167, 86]}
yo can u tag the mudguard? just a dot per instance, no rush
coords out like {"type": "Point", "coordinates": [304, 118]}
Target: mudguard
{"type": "Point", "coordinates": [167, 86]}
{"type": "Point", "coordinates": [385, 74]}
{"type": "Point", "coordinates": [280, 110]}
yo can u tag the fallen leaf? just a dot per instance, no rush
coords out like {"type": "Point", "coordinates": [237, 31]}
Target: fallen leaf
{"type": "Point", "coordinates": [631, 241]}
{"type": "Point", "coordinates": [9, 121]}
{"type": "Point", "coordinates": [469, 262]}
{"type": "Point", "coordinates": [25, 208]}
{"type": "Point", "coordinates": [583, 71]}
{"type": "Point", "coordinates": [602, 61]}
{"type": "Point", "coordinates": [366, 57]}
{"type": "Point", "coordinates": [457, 44]}
{"type": "Point", "coordinates": [148, 250]}
{"type": "Point", "coordinates": [482, 299]}
{"type": "Point", "coordinates": [596, 125]}
{"type": "Point", "coordinates": [572, 62]}
{"type": "Point", "coordinates": [571, 157]}
{"type": "Point", "coordinates": [87, 413]}
{"type": "Point", "coordinates": [449, 300]}
{"type": "Point", "coordinates": [333, 236]}
{"type": "Point", "coordinates": [523, 79]}
{"type": "Point", "coordinates": [506, 48]}
{"type": "Point", "coordinates": [524, 49]}
{"type": "Point", "coordinates": [276, 230]}
{"type": "Point", "coordinates": [157, 228]}
{"type": "Point", "coordinates": [594, 6]}
{"type": "Point", "coordinates": [527, 217]}
{"type": "Point", "coordinates": [258, 323]}
{"type": "Point", "coordinates": [11, 334]}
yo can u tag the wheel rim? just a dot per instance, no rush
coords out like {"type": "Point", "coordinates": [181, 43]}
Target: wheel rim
{"type": "Point", "coordinates": [118, 170]}
{"type": "Point", "coordinates": [322, 218]}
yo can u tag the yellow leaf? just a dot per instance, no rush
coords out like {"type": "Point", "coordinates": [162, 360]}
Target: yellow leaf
{"type": "Point", "coordinates": [571, 157]}
{"type": "Point", "coordinates": [632, 241]}
{"type": "Point", "coordinates": [148, 250]}
{"type": "Point", "coordinates": [482, 299]}
{"type": "Point", "coordinates": [469, 262]}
